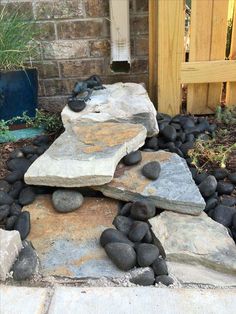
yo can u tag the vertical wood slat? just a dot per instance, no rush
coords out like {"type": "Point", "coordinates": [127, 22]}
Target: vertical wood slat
{"type": "Point", "coordinates": [200, 48]}
{"type": "Point", "coordinates": [153, 50]}
{"type": "Point", "coordinates": [218, 44]}
{"type": "Point", "coordinates": [231, 86]}
{"type": "Point", "coordinates": [171, 17]}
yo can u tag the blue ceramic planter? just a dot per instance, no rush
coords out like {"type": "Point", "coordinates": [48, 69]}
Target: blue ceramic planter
{"type": "Point", "coordinates": [18, 93]}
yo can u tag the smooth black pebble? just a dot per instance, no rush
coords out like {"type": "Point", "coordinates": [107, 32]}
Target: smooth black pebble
{"type": "Point", "coordinates": [121, 254]}
{"type": "Point", "coordinates": [23, 224]}
{"type": "Point", "coordinates": [151, 170]}
{"type": "Point", "coordinates": [112, 235]}
{"type": "Point", "coordinates": [132, 158]}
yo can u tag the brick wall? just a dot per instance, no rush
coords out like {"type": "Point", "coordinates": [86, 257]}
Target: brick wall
{"type": "Point", "coordinates": [75, 44]}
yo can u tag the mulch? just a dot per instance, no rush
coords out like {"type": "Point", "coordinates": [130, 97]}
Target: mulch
{"type": "Point", "coordinates": [225, 137]}
{"type": "Point", "coordinates": [6, 149]}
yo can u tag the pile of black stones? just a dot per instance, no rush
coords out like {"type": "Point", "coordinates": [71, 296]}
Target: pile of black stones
{"type": "Point", "coordinates": [132, 243]}
{"type": "Point", "coordinates": [217, 186]}
{"type": "Point", "coordinates": [14, 194]}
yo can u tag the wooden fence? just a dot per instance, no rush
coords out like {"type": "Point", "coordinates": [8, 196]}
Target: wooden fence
{"type": "Point", "coordinates": [207, 67]}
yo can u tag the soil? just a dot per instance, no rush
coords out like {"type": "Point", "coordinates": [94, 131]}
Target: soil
{"type": "Point", "coordinates": [225, 137]}
{"type": "Point", "coordinates": [5, 150]}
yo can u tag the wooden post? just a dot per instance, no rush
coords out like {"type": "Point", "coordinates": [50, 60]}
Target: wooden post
{"type": "Point", "coordinates": [218, 44]}
{"type": "Point", "coordinates": [153, 50]}
{"type": "Point", "coordinates": [171, 18]}
{"type": "Point", "coordinates": [200, 48]}
{"type": "Point", "coordinates": [231, 86]}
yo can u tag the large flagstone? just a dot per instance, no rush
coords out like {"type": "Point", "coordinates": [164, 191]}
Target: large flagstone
{"type": "Point", "coordinates": [86, 154]}
{"type": "Point", "coordinates": [195, 240]}
{"type": "Point", "coordinates": [174, 189]}
{"type": "Point", "coordinates": [68, 244]}
{"type": "Point", "coordinates": [119, 102]}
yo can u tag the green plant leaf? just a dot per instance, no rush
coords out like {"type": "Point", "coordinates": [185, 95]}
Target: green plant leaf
{"type": "Point", "coordinates": [17, 39]}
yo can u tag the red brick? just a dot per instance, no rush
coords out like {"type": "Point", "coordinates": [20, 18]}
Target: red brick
{"type": "Point", "coordinates": [139, 66]}
{"type": "Point", "coordinates": [82, 68]}
{"type": "Point", "coordinates": [80, 29]}
{"type": "Point", "coordinates": [99, 48]}
{"type": "Point", "coordinates": [66, 49]}
{"type": "Point", "coordinates": [46, 31]}
{"type": "Point", "coordinates": [59, 9]}
{"type": "Point", "coordinates": [139, 25]}
{"type": "Point", "coordinates": [52, 104]}
{"type": "Point", "coordinates": [142, 5]}
{"type": "Point", "coordinates": [58, 87]}
{"type": "Point", "coordinates": [141, 46]}
{"type": "Point", "coordinates": [24, 9]}
{"type": "Point", "coordinates": [97, 8]}
{"type": "Point", "coordinates": [47, 69]}
{"type": "Point", "coordinates": [132, 46]}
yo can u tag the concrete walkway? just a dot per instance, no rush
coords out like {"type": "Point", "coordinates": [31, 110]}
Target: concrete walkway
{"type": "Point", "coordinates": [115, 300]}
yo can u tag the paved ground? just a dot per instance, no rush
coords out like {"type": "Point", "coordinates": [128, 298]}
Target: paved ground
{"type": "Point", "coordinates": [116, 300]}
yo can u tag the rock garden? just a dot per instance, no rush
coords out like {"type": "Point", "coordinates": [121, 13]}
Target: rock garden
{"type": "Point", "coordinates": [123, 192]}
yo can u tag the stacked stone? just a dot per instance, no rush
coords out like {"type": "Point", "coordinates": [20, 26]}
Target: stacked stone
{"type": "Point", "coordinates": [149, 181]}
{"type": "Point", "coordinates": [96, 145]}
{"type": "Point", "coordinates": [132, 244]}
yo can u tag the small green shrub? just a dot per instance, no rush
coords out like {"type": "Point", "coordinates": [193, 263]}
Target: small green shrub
{"type": "Point", "coordinates": [17, 39]}
{"type": "Point", "coordinates": [226, 115]}
{"type": "Point", "coordinates": [50, 122]}
{"type": "Point", "coordinates": [5, 129]}
{"type": "Point", "coordinates": [210, 153]}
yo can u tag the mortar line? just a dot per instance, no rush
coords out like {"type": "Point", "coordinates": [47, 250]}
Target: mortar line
{"type": "Point", "coordinates": [48, 301]}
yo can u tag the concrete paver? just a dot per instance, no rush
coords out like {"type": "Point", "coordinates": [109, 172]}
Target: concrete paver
{"type": "Point", "coordinates": [119, 300]}
{"type": "Point", "coordinates": [22, 300]}
{"type": "Point", "coordinates": [116, 300]}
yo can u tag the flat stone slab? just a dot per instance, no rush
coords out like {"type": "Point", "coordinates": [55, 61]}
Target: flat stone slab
{"type": "Point", "coordinates": [119, 102]}
{"type": "Point", "coordinates": [195, 240]}
{"type": "Point", "coordinates": [22, 300]}
{"type": "Point", "coordinates": [86, 154]}
{"type": "Point", "coordinates": [196, 275]}
{"type": "Point", "coordinates": [141, 300]}
{"type": "Point", "coordinates": [174, 190]}
{"type": "Point", "coordinates": [10, 246]}
{"type": "Point", "coordinates": [68, 244]}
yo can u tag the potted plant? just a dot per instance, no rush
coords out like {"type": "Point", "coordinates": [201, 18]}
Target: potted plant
{"type": "Point", "coordinates": [18, 84]}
